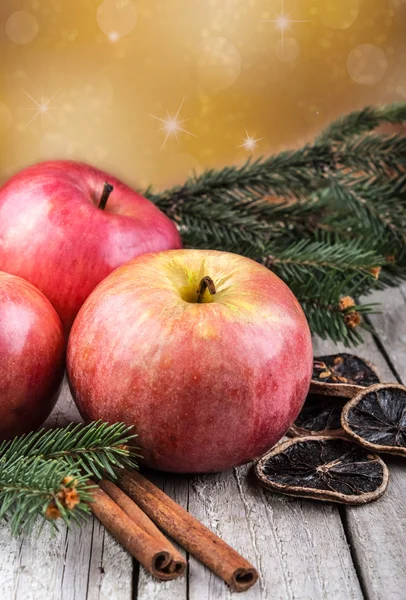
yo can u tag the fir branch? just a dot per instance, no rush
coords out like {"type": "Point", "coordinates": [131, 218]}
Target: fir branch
{"type": "Point", "coordinates": [298, 260]}
{"type": "Point", "coordinates": [377, 208]}
{"type": "Point", "coordinates": [364, 120]}
{"type": "Point", "coordinates": [292, 173]}
{"type": "Point", "coordinates": [95, 449]}
{"type": "Point", "coordinates": [322, 301]}
{"type": "Point", "coordinates": [45, 473]}
{"type": "Point", "coordinates": [383, 153]}
{"type": "Point", "coordinates": [32, 487]}
{"type": "Point", "coordinates": [333, 212]}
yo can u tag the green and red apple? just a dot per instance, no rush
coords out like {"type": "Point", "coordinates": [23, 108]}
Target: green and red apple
{"type": "Point", "coordinates": [32, 356]}
{"type": "Point", "coordinates": [207, 354]}
{"type": "Point", "coordinates": [64, 226]}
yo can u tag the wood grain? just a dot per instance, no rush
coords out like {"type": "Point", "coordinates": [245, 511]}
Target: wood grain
{"type": "Point", "coordinates": [298, 546]}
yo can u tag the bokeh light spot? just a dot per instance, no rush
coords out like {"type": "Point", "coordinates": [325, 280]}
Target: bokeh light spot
{"type": "Point", "coordinates": [367, 64]}
{"type": "Point", "coordinates": [317, 111]}
{"type": "Point", "coordinates": [339, 14]}
{"type": "Point", "coordinates": [116, 18]}
{"type": "Point", "coordinates": [21, 27]}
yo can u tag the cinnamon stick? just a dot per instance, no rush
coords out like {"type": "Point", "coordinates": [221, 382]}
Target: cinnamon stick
{"type": "Point", "coordinates": [189, 532]}
{"type": "Point", "coordinates": [178, 562]}
{"type": "Point", "coordinates": [150, 552]}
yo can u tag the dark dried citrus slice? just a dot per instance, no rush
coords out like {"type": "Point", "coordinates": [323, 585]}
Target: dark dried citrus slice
{"type": "Point", "coordinates": [324, 468]}
{"type": "Point", "coordinates": [376, 418]}
{"type": "Point", "coordinates": [320, 415]}
{"type": "Point", "coordinates": [342, 375]}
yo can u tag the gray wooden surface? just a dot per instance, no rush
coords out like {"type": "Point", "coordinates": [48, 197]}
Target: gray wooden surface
{"type": "Point", "coordinates": [304, 550]}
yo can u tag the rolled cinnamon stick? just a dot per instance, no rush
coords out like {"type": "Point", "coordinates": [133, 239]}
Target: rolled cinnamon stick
{"type": "Point", "coordinates": [178, 562]}
{"type": "Point", "coordinates": [189, 532]}
{"type": "Point", "coordinates": [150, 552]}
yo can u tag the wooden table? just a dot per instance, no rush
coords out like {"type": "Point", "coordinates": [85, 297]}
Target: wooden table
{"type": "Point", "coordinates": [302, 549]}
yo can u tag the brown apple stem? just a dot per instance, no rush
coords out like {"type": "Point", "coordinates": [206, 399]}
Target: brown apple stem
{"type": "Point", "coordinates": [206, 283]}
{"type": "Point", "coordinates": [108, 188]}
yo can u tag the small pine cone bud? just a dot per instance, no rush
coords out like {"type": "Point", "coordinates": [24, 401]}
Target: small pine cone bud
{"type": "Point", "coordinates": [52, 512]}
{"type": "Point", "coordinates": [69, 496]}
{"type": "Point", "coordinates": [67, 480]}
{"type": "Point", "coordinates": [352, 319]}
{"type": "Point", "coordinates": [375, 271]}
{"type": "Point", "coordinates": [390, 258]}
{"type": "Point", "coordinates": [346, 302]}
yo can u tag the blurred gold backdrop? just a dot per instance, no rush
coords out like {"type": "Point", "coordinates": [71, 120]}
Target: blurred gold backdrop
{"type": "Point", "coordinates": [108, 82]}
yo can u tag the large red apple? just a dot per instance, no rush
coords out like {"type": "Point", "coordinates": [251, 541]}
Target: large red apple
{"type": "Point", "coordinates": [54, 234]}
{"type": "Point", "coordinates": [210, 380]}
{"type": "Point", "coordinates": [32, 356]}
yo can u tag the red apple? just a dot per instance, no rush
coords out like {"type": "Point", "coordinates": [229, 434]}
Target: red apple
{"type": "Point", "coordinates": [208, 385]}
{"type": "Point", "coordinates": [32, 356]}
{"type": "Point", "coordinates": [54, 234]}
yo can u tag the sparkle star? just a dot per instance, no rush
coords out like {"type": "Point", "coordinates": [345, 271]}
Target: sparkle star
{"type": "Point", "coordinates": [172, 125]}
{"type": "Point", "coordinates": [41, 108]}
{"type": "Point", "coordinates": [249, 142]}
{"type": "Point", "coordinates": [282, 22]}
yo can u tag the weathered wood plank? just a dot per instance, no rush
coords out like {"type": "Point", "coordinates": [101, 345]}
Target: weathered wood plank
{"type": "Point", "coordinates": [9, 551]}
{"type": "Point", "coordinates": [67, 565]}
{"type": "Point", "coordinates": [299, 547]}
{"type": "Point", "coordinates": [110, 568]}
{"type": "Point", "coordinates": [390, 326]}
{"type": "Point", "coordinates": [377, 531]}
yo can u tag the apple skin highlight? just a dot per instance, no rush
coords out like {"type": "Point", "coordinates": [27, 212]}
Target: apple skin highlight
{"type": "Point", "coordinates": [207, 386]}
{"type": "Point", "coordinates": [32, 356]}
{"type": "Point", "coordinates": [53, 234]}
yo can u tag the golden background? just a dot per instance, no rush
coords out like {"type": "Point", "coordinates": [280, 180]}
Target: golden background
{"type": "Point", "coordinates": [89, 80]}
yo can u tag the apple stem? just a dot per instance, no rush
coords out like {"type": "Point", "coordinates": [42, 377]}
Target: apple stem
{"type": "Point", "coordinates": [206, 283]}
{"type": "Point", "coordinates": [108, 188]}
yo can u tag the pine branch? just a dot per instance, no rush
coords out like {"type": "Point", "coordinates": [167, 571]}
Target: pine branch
{"type": "Point", "coordinates": [383, 153]}
{"type": "Point", "coordinates": [290, 173]}
{"type": "Point", "coordinates": [248, 225]}
{"type": "Point", "coordinates": [331, 308]}
{"type": "Point", "coordinates": [45, 473]}
{"type": "Point", "coordinates": [378, 208]}
{"type": "Point", "coordinates": [32, 487]}
{"type": "Point", "coordinates": [298, 260]}
{"type": "Point", "coordinates": [362, 121]}
{"type": "Point", "coordinates": [95, 449]}
{"type": "Point", "coordinates": [333, 214]}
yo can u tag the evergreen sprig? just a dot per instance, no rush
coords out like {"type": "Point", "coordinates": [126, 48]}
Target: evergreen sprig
{"type": "Point", "coordinates": [330, 306]}
{"type": "Point", "coordinates": [363, 121]}
{"type": "Point", "coordinates": [32, 487]}
{"type": "Point", "coordinates": [332, 213]}
{"type": "Point", "coordinates": [45, 473]}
